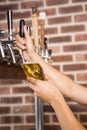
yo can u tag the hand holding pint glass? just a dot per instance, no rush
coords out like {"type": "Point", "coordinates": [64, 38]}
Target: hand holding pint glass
{"type": "Point", "coordinates": [31, 69]}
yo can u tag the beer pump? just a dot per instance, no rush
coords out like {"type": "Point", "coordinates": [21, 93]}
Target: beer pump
{"type": "Point", "coordinates": [7, 45]}
{"type": "Point", "coordinates": [40, 48]}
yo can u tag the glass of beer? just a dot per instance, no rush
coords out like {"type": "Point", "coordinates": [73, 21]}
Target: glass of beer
{"type": "Point", "coordinates": [30, 68]}
{"type": "Point", "coordinates": [33, 69]}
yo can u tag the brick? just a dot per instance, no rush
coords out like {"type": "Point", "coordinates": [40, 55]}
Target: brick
{"type": "Point", "coordinates": [75, 28]}
{"type": "Point", "coordinates": [11, 119]}
{"type": "Point", "coordinates": [74, 67]}
{"type": "Point", "coordinates": [48, 109]}
{"type": "Point", "coordinates": [3, 0]}
{"type": "Point", "coordinates": [21, 15]}
{"type": "Point", "coordinates": [56, 2]}
{"type": "Point", "coordinates": [3, 26]}
{"type": "Point", "coordinates": [5, 7]}
{"type": "Point", "coordinates": [50, 12]}
{"type": "Point", "coordinates": [30, 119]}
{"type": "Point", "coordinates": [24, 127]}
{"type": "Point", "coordinates": [59, 20]}
{"type": "Point", "coordinates": [2, 16]}
{"type": "Point", "coordinates": [11, 100]}
{"type": "Point", "coordinates": [4, 110]}
{"type": "Point", "coordinates": [51, 30]}
{"type": "Point", "coordinates": [79, 1]}
{"type": "Point", "coordinates": [4, 90]}
{"type": "Point", "coordinates": [46, 119]}
{"type": "Point", "coordinates": [13, 0]}
{"type": "Point", "coordinates": [52, 127]}
{"type": "Point", "coordinates": [62, 58]}
{"type": "Point", "coordinates": [80, 18]}
{"type": "Point", "coordinates": [55, 49]}
{"type": "Point", "coordinates": [78, 108]}
{"type": "Point", "coordinates": [29, 4]}
{"type": "Point", "coordinates": [29, 99]}
{"type": "Point", "coordinates": [81, 57]}
{"type": "Point", "coordinates": [11, 81]}
{"type": "Point", "coordinates": [54, 119]}
{"type": "Point", "coordinates": [5, 128]}
{"type": "Point", "coordinates": [80, 37]}
{"type": "Point", "coordinates": [23, 109]}
{"type": "Point", "coordinates": [23, 90]}
{"type": "Point", "coordinates": [60, 39]}
{"type": "Point", "coordinates": [70, 9]}
{"type": "Point", "coordinates": [73, 48]}
{"type": "Point", "coordinates": [81, 77]}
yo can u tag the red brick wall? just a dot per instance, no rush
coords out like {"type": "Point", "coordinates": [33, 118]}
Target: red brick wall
{"type": "Point", "coordinates": [66, 29]}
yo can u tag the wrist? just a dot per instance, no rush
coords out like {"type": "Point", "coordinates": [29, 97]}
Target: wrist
{"type": "Point", "coordinates": [58, 98]}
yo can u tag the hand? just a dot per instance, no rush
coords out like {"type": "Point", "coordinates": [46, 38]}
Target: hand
{"type": "Point", "coordinates": [46, 90]}
{"type": "Point", "coordinates": [25, 44]}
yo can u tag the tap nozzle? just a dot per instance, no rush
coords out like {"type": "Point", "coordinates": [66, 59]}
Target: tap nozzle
{"type": "Point", "coordinates": [12, 53]}
{"type": "Point", "coordinates": [2, 50]}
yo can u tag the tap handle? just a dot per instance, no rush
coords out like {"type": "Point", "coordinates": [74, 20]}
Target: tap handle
{"type": "Point", "coordinates": [29, 30]}
{"type": "Point", "coordinates": [21, 28]}
{"type": "Point", "coordinates": [10, 24]}
{"type": "Point", "coordinates": [45, 43]}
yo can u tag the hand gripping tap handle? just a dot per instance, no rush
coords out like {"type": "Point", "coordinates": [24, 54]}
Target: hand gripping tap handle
{"type": "Point", "coordinates": [21, 33]}
{"type": "Point", "coordinates": [21, 28]}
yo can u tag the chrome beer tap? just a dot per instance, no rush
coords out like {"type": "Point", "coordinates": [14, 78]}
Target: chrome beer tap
{"type": "Point", "coordinates": [2, 32]}
{"type": "Point", "coordinates": [47, 52]}
{"type": "Point", "coordinates": [10, 34]}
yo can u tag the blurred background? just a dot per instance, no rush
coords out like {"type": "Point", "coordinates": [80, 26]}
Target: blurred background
{"type": "Point", "coordinates": [66, 31]}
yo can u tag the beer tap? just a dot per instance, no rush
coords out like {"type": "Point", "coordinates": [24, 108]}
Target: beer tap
{"type": "Point", "coordinates": [35, 28]}
{"type": "Point", "coordinates": [45, 52]}
{"type": "Point", "coordinates": [10, 25]}
{"type": "Point", "coordinates": [2, 32]}
{"type": "Point", "coordinates": [10, 34]}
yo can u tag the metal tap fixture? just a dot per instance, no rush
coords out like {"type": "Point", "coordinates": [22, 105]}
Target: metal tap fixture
{"type": "Point", "coordinates": [7, 45]}
{"type": "Point", "coordinates": [10, 24]}
{"type": "Point", "coordinates": [2, 50]}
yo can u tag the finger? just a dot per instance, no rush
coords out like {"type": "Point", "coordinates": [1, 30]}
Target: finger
{"type": "Point", "coordinates": [21, 46]}
{"type": "Point", "coordinates": [33, 80]}
{"type": "Point", "coordinates": [27, 37]}
{"type": "Point", "coordinates": [17, 29]}
{"type": "Point", "coordinates": [32, 86]}
{"type": "Point", "coordinates": [19, 39]}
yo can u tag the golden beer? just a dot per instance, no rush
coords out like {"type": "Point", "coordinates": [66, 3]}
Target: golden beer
{"type": "Point", "coordinates": [33, 70]}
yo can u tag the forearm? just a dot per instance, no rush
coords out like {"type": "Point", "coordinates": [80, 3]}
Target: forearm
{"type": "Point", "coordinates": [65, 84]}
{"type": "Point", "coordinates": [65, 116]}
{"type": "Point", "coordinates": [79, 93]}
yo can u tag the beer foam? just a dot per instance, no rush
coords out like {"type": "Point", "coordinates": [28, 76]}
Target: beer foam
{"type": "Point", "coordinates": [30, 63]}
